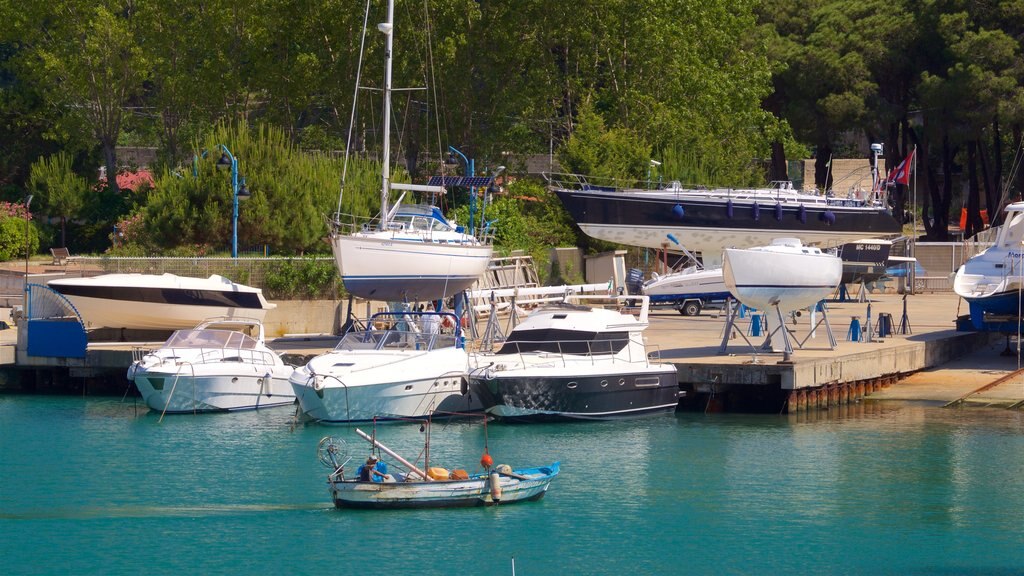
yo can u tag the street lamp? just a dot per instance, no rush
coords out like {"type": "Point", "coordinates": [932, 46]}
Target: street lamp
{"type": "Point", "coordinates": [227, 159]}
{"type": "Point", "coordinates": [452, 150]}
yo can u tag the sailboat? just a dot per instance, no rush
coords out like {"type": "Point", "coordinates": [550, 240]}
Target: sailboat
{"type": "Point", "coordinates": [412, 252]}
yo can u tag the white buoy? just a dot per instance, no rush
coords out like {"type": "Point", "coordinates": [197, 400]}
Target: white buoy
{"type": "Point", "coordinates": [495, 480]}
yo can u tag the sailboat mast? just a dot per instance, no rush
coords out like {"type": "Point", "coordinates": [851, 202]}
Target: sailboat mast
{"type": "Point", "coordinates": [388, 29]}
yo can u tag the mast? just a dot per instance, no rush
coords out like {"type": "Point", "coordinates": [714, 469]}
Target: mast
{"type": "Point", "coordinates": [385, 187]}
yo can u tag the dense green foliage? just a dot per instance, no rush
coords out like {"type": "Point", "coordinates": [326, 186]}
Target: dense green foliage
{"type": "Point", "coordinates": [719, 92]}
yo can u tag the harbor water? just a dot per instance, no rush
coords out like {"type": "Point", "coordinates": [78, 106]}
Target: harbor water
{"type": "Point", "coordinates": [101, 486]}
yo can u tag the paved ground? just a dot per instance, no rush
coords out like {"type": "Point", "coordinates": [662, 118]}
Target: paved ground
{"type": "Point", "coordinates": [930, 317]}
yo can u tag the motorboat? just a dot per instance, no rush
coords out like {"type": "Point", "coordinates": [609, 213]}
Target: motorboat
{"type": "Point", "coordinates": [374, 485]}
{"type": "Point", "coordinates": [410, 252]}
{"type": "Point", "coordinates": [568, 361]}
{"type": "Point", "coordinates": [865, 261]}
{"type": "Point", "coordinates": [691, 284]}
{"type": "Point", "coordinates": [401, 366]}
{"type": "Point", "coordinates": [992, 282]}
{"type": "Point", "coordinates": [785, 274]}
{"type": "Point", "coordinates": [223, 364]}
{"type": "Point", "coordinates": [708, 220]}
{"type": "Point", "coordinates": [159, 301]}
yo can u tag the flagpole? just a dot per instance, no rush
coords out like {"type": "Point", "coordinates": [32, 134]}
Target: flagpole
{"type": "Point", "coordinates": [913, 212]}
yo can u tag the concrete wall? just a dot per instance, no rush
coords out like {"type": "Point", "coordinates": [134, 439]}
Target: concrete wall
{"type": "Point", "coordinates": [307, 317]}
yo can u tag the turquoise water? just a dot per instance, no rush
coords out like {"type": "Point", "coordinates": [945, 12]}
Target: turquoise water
{"type": "Point", "coordinates": [97, 486]}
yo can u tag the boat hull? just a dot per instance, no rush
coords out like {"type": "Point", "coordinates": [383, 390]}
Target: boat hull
{"type": "Point", "coordinates": [762, 279]}
{"type": "Point", "coordinates": [540, 396]}
{"type": "Point", "coordinates": [385, 387]}
{"type": "Point", "coordinates": [158, 302]}
{"type": "Point", "coordinates": [392, 269]}
{"type": "Point", "coordinates": [174, 393]}
{"type": "Point", "coordinates": [708, 225]}
{"type": "Point", "coordinates": [704, 284]}
{"type": "Point", "coordinates": [475, 491]}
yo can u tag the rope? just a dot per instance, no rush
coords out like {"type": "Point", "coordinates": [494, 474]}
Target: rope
{"type": "Point", "coordinates": [355, 99]}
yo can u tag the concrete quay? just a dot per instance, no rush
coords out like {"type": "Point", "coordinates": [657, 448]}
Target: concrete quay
{"type": "Point", "coordinates": [816, 377]}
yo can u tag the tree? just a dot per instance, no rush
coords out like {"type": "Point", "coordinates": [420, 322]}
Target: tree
{"type": "Point", "coordinates": [60, 191]}
{"type": "Point", "coordinates": [84, 57]}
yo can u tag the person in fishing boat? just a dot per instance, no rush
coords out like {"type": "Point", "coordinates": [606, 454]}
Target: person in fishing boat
{"type": "Point", "coordinates": [373, 471]}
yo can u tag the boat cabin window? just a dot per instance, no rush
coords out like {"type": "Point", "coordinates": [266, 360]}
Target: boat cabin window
{"type": "Point", "coordinates": [565, 342]}
{"type": "Point", "coordinates": [393, 339]}
{"type": "Point", "coordinates": [210, 339]}
{"type": "Point", "coordinates": [1013, 231]}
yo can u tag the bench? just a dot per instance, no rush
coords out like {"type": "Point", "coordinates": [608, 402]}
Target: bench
{"type": "Point", "coordinates": [60, 256]}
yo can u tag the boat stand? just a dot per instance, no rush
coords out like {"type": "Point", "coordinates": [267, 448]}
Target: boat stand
{"type": "Point", "coordinates": [778, 338]}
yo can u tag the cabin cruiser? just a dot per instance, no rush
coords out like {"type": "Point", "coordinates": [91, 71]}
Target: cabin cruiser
{"type": "Point", "coordinates": [992, 281]}
{"type": "Point", "coordinates": [222, 364]}
{"type": "Point", "coordinates": [159, 301]}
{"type": "Point", "coordinates": [572, 362]}
{"type": "Point", "coordinates": [401, 366]}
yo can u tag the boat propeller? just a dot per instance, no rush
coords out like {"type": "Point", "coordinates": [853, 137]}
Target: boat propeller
{"type": "Point", "coordinates": [332, 452]}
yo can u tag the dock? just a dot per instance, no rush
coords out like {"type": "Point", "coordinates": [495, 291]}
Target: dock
{"type": "Point", "coordinates": [926, 360]}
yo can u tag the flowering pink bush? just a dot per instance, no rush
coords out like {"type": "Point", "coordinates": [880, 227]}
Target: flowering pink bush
{"type": "Point", "coordinates": [12, 210]}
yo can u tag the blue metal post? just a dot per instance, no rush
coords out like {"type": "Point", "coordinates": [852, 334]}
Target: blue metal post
{"type": "Point", "coordinates": [234, 197]}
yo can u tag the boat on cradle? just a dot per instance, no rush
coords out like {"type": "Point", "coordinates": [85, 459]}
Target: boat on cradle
{"type": "Point", "coordinates": [708, 220]}
{"type": "Point", "coordinates": [691, 284]}
{"type": "Point", "coordinates": [992, 281]}
{"type": "Point", "coordinates": [397, 368]}
{"type": "Point", "coordinates": [572, 362]}
{"type": "Point", "coordinates": [222, 364]}
{"type": "Point", "coordinates": [373, 486]}
{"type": "Point", "coordinates": [159, 301]}
{"type": "Point", "coordinates": [864, 261]}
{"type": "Point", "coordinates": [411, 252]}
{"type": "Point", "coordinates": [785, 274]}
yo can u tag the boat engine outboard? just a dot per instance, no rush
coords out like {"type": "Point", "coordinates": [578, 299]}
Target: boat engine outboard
{"type": "Point", "coordinates": [635, 281]}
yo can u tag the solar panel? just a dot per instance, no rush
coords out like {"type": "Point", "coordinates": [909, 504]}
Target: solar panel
{"type": "Point", "coordinates": [463, 181]}
{"type": "Point", "coordinates": [477, 181]}
{"type": "Point", "coordinates": [445, 181]}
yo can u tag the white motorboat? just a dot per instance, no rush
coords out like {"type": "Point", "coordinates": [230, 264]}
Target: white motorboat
{"type": "Point", "coordinates": [690, 283]}
{"type": "Point", "coordinates": [159, 301]}
{"type": "Point", "coordinates": [992, 281]}
{"type": "Point", "coordinates": [412, 252]}
{"type": "Point", "coordinates": [572, 362]}
{"type": "Point", "coordinates": [785, 274]}
{"type": "Point", "coordinates": [222, 364]}
{"type": "Point", "coordinates": [400, 367]}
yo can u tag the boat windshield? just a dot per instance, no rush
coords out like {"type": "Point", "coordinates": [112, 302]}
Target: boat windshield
{"type": "Point", "coordinates": [392, 339]}
{"type": "Point", "coordinates": [210, 339]}
{"type": "Point", "coordinates": [565, 342]}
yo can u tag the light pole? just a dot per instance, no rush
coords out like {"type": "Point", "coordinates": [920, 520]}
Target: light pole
{"type": "Point", "coordinates": [469, 172]}
{"type": "Point", "coordinates": [28, 202]}
{"type": "Point", "coordinates": [227, 159]}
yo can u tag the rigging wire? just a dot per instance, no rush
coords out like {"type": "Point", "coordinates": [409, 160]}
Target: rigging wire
{"type": "Point", "coordinates": [352, 118]}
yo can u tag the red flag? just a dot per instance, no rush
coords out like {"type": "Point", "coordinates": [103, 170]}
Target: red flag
{"type": "Point", "coordinates": [901, 175]}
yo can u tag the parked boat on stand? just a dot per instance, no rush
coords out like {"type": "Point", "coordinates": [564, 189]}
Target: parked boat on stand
{"type": "Point", "coordinates": [411, 252]}
{"type": "Point", "coordinates": [707, 220]}
{"type": "Point", "coordinates": [374, 485]}
{"type": "Point", "coordinates": [159, 301]}
{"type": "Point", "coordinates": [784, 276]}
{"type": "Point", "coordinates": [992, 282]}
{"type": "Point", "coordinates": [573, 362]}
{"type": "Point", "coordinates": [215, 367]}
{"type": "Point", "coordinates": [400, 367]}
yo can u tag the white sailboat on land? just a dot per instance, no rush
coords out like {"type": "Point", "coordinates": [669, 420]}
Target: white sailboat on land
{"type": "Point", "coordinates": [412, 252]}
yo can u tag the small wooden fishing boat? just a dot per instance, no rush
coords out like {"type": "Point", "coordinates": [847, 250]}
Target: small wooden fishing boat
{"type": "Point", "coordinates": [372, 486]}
